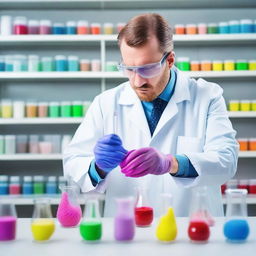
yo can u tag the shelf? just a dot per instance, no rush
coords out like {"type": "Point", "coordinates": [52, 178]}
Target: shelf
{"type": "Point", "coordinates": [114, 75]}
{"type": "Point", "coordinates": [39, 121]}
{"type": "Point", "coordinates": [242, 114]}
{"type": "Point", "coordinates": [122, 4]}
{"type": "Point", "coordinates": [247, 154]}
{"type": "Point", "coordinates": [55, 199]}
{"type": "Point", "coordinates": [82, 39]}
{"type": "Point", "coordinates": [31, 157]}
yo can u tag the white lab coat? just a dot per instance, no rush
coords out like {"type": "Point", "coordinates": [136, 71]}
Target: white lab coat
{"type": "Point", "coordinates": [195, 123]}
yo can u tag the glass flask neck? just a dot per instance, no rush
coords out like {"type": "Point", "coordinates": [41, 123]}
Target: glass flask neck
{"type": "Point", "coordinates": [42, 208]}
{"type": "Point", "coordinates": [7, 210]}
{"type": "Point", "coordinates": [92, 210]}
{"type": "Point", "coordinates": [125, 206]}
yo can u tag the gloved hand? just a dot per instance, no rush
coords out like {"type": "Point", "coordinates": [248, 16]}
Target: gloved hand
{"type": "Point", "coordinates": [109, 152]}
{"type": "Point", "coordinates": [145, 161]}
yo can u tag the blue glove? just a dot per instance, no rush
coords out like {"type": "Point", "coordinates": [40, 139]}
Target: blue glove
{"type": "Point", "coordinates": [109, 152]}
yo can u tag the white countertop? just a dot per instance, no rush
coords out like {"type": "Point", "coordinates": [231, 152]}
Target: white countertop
{"type": "Point", "coordinates": [67, 241]}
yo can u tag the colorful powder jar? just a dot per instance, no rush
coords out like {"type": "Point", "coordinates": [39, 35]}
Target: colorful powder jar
{"type": "Point", "coordinates": [27, 186]}
{"type": "Point", "coordinates": [85, 65]}
{"type": "Point", "coordinates": [77, 109]}
{"type": "Point", "coordinates": [223, 28]}
{"type": "Point", "coordinates": [111, 66]}
{"type": "Point", "coordinates": [252, 186]}
{"type": "Point", "coordinates": [20, 26]}
{"type": "Point", "coordinates": [33, 63]}
{"type": "Point", "coordinates": [108, 28]}
{"type": "Point", "coordinates": [38, 185]}
{"type": "Point", "coordinates": [31, 109]}
{"type": "Point", "coordinates": [241, 65]}
{"type": "Point", "coordinates": [243, 144]}
{"type": "Point", "coordinates": [95, 28]}
{"type": "Point", "coordinates": [183, 64]}
{"type": "Point", "coordinates": [253, 105]}
{"type": "Point", "coordinates": [2, 64]}
{"type": "Point", "coordinates": [217, 65]}
{"type": "Point", "coordinates": [54, 109]}
{"type": "Point", "coordinates": [245, 105]}
{"type": "Point", "coordinates": [246, 26]}
{"type": "Point", "coordinates": [4, 188]}
{"type": "Point", "coordinates": [58, 29]}
{"type": "Point", "coordinates": [236, 230]}
{"type": "Point", "coordinates": [71, 27]}
{"type": "Point", "coordinates": [51, 186]}
{"type": "Point", "coordinates": [7, 228]}
{"type": "Point", "coordinates": [252, 64]}
{"type": "Point", "coordinates": [212, 28]}
{"type": "Point", "coordinates": [7, 109]}
{"type": "Point", "coordinates": [45, 27]}
{"type": "Point", "coordinates": [18, 109]}
{"type": "Point", "coordinates": [33, 27]}
{"type": "Point", "coordinates": [61, 63]}
{"type": "Point", "coordinates": [6, 25]}
{"type": "Point", "coordinates": [95, 65]}
{"type": "Point", "coordinates": [66, 109]}
{"type": "Point", "coordinates": [234, 105]}
{"type": "Point", "coordinates": [167, 228]}
{"type": "Point", "coordinates": [47, 64]}
{"type": "Point", "coordinates": [229, 65]}
{"type": "Point", "coordinates": [234, 26]}
{"type": "Point", "coordinates": [206, 65]}
{"type": "Point", "coordinates": [252, 144]}
{"type": "Point", "coordinates": [198, 230]}
{"type": "Point", "coordinates": [82, 27]}
{"type": "Point", "coordinates": [42, 109]}
{"type": "Point", "coordinates": [202, 28]}
{"type": "Point", "coordinates": [179, 29]}
{"type": "Point", "coordinates": [10, 144]}
{"type": "Point", "coordinates": [191, 29]}
{"type": "Point", "coordinates": [73, 63]}
{"type": "Point", "coordinates": [14, 186]}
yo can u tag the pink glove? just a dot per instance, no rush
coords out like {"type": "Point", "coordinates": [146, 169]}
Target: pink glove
{"type": "Point", "coordinates": [145, 161]}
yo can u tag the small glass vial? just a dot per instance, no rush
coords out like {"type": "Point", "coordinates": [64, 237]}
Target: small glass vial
{"type": "Point", "coordinates": [14, 186]}
{"type": "Point", "coordinates": [73, 63]}
{"type": "Point", "coordinates": [18, 109]}
{"type": "Point", "coordinates": [21, 144]}
{"type": "Point", "coordinates": [31, 109]}
{"type": "Point", "coordinates": [236, 227]}
{"type": "Point", "coordinates": [179, 29]}
{"type": "Point", "coordinates": [77, 108]}
{"type": "Point", "coordinates": [58, 29]}
{"type": "Point", "coordinates": [33, 27]}
{"type": "Point", "coordinates": [42, 224]}
{"type": "Point", "coordinates": [10, 144]}
{"type": "Point", "coordinates": [124, 222]}
{"type": "Point", "coordinates": [71, 27]}
{"type": "Point", "coordinates": [38, 185]}
{"type": "Point", "coordinates": [47, 64]}
{"type": "Point", "coordinates": [95, 28]}
{"type": "Point", "coordinates": [45, 27]}
{"type": "Point", "coordinates": [85, 65]}
{"type": "Point", "coordinates": [27, 186]}
{"type": "Point", "coordinates": [82, 27]}
{"type": "Point", "coordinates": [4, 187]}
{"type": "Point", "coordinates": [61, 63]}
{"type": "Point", "coordinates": [33, 145]}
{"type": "Point", "coordinates": [51, 185]}
{"type": "Point", "coordinates": [91, 225]}
{"type": "Point", "coordinates": [8, 221]}
{"type": "Point", "coordinates": [108, 28]}
{"type": "Point", "coordinates": [43, 109]}
{"type": "Point", "coordinates": [6, 25]}
{"type": "Point", "coordinates": [7, 109]}
{"type": "Point", "coordinates": [20, 26]}
{"type": "Point", "coordinates": [33, 63]}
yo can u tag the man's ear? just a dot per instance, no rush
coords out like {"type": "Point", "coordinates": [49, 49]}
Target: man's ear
{"type": "Point", "coordinates": [171, 59]}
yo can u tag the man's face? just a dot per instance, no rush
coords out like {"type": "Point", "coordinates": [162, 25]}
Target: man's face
{"type": "Point", "coordinates": [147, 89]}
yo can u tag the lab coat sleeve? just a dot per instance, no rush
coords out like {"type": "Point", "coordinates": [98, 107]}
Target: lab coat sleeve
{"type": "Point", "coordinates": [217, 162]}
{"type": "Point", "coordinates": [79, 153]}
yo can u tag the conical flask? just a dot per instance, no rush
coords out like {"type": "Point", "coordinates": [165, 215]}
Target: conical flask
{"type": "Point", "coordinates": [143, 212]}
{"type": "Point", "coordinates": [236, 227]}
{"type": "Point", "coordinates": [69, 212]}
{"type": "Point", "coordinates": [167, 228]}
{"type": "Point", "coordinates": [8, 220]}
{"type": "Point", "coordinates": [124, 223]}
{"type": "Point", "coordinates": [91, 225]}
{"type": "Point", "coordinates": [200, 218]}
{"type": "Point", "coordinates": [42, 225]}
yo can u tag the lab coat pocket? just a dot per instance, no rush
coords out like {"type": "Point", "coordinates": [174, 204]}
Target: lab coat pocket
{"type": "Point", "coordinates": [189, 144]}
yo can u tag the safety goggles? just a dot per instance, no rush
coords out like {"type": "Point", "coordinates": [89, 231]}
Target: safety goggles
{"type": "Point", "coordinates": [145, 71]}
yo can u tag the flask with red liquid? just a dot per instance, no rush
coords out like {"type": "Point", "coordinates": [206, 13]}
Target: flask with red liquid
{"type": "Point", "coordinates": [143, 212]}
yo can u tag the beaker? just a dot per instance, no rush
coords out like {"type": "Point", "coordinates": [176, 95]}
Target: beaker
{"type": "Point", "coordinates": [167, 228]}
{"type": "Point", "coordinates": [91, 225]}
{"type": "Point", "coordinates": [143, 212]}
{"type": "Point", "coordinates": [42, 225]}
{"type": "Point", "coordinates": [200, 218]}
{"type": "Point", "coordinates": [124, 223]}
{"type": "Point", "coordinates": [69, 212]}
{"type": "Point", "coordinates": [236, 227]}
{"type": "Point", "coordinates": [8, 220]}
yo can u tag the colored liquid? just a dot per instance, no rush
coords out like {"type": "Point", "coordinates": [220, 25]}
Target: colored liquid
{"type": "Point", "coordinates": [236, 230]}
{"type": "Point", "coordinates": [42, 229]}
{"type": "Point", "coordinates": [167, 228]}
{"type": "Point", "coordinates": [38, 188]}
{"type": "Point", "coordinates": [124, 228]}
{"type": "Point", "coordinates": [252, 189]}
{"type": "Point", "coordinates": [198, 230]}
{"type": "Point", "coordinates": [14, 189]}
{"type": "Point", "coordinates": [143, 216]}
{"type": "Point", "coordinates": [68, 215]}
{"type": "Point", "coordinates": [91, 230]}
{"type": "Point", "coordinates": [7, 228]}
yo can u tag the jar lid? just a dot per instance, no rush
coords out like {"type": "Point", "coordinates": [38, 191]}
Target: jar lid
{"type": "Point", "coordinates": [54, 103]}
{"type": "Point", "coordinates": [62, 179]}
{"type": "Point", "coordinates": [206, 61]}
{"type": "Point", "coordinates": [58, 24]}
{"type": "Point", "coordinates": [84, 61]}
{"type": "Point", "coordinates": [252, 61]}
{"type": "Point", "coordinates": [52, 179]}
{"type": "Point", "coordinates": [194, 62]}
{"type": "Point", "coordinates": [14, 179]}
{"type": "Point", "coordinates": [212, 25]}
{"type": "Point", "coordinates": [77, 102]}
{"type": "Point", "coordinates": [3, 178]}
{"type": "Point", "coordinates": [95, 25]}
{"type": "Point", "coordinates": [66, 103]}
{"type": "Point", "coordinates": [223, 24]}
{"type": "Point", "coordinates": [245, 61]}
{"type": "Point", "coordinates": [72, 57]}
{"type": "Point", "coordinates": [229, 61]}
{"type": "Point", "coordinates": [33, 23]}
{"type": "Point", "coordinates": [45, 23]}
{"type": "Point", "coordinates": [82, 23]}
{"type": "Point", "coordinates": [245, 101]}
{"type": "Point", "coordinates": [108, 24]}
{"type": "Point", "coordinates": [42, 103]}
{"type": "Point", "coordinates": [9, 137]}
{"type": "Point", "coordinates": [182, 59]}
{"type": "Point", "coordinates": [33, 57]}
{"type": "Point", "coordinates": [233, 22]}
{"type": "Point", "coordinates": [191, 25]}
{"type": "Point", "coordinates": [95, 60]}
{"type": "Point", "coordinates": [60, 57]}
{"type": "Point", "coordinates": [201, 24]}
{"type": "Point", "coordinates": [38, 178]}
{"type": "Point", "coordinates": [71, 24]}
{"type": "Point", "coordinates": [242, 139]}
{"type": "Point", "coordinates": [246, 21]}
{"type": "Point", "coordinates": [27, 178]}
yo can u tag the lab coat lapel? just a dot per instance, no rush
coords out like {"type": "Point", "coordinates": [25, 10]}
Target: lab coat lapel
{"type": "Point", "coordinates": [181, 93]}
{"type": "Point", "coordinates": [136, 115]}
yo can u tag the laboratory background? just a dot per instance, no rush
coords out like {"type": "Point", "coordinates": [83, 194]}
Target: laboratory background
{"type": "Point", "coordinates": [57, 56]}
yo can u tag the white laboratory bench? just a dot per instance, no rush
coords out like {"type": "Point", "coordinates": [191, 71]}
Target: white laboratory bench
{"type": "Point", "coordinates": [67, 241]}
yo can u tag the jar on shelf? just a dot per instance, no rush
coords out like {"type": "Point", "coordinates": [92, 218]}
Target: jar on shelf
{"type": "Point", "coordinates": [252, 64]}
{"type": "Point", "coordinates": [4, 186]}
{"type": "Point", "coordinates": [51, 185]}
{"type": "Point", "coordinates": [43, 109]}
{"type": "Point", "coordinates": [54, 109]}
{"type": "Point", "coordinates": [95, 65]}
{"type": "Point", "coordinates": [47, 64]}
{"type": "Point", "coordinates": [31, 109]}
{"type": "Point", "coordinates": [82, 27]}
{"type": "Point", "coordinates": [245, 105]}
{"type": "Point", "coordinates": [77, 108]}
{"type": "Point", "coordinates": [223, 28]}
{"type": "Point", "coordinates": [183, 63]}
{"type": "Point", "coordinates": [108, 28]}
{"type": "Point", "coordinates": [229, 65]}
{"type": "Point", "coordinates": [234, 105]}
{"type": "Point", "coordinates": [61, 63]}
{"type": "Point", "coordinates": [241, 65]}
{"type": "Point", "coordinates": [252, 144]}
{"type": "Point", "coordinates": [6, 25]}
{"type": "Point", "coordinates": [45, 27]}
{"type": "Point", "coordinates": [20, 26]}
{"type": "Point", "coordinates": [246, 26]}
{"type": "Point", "coordinates": [38, 184]}
{"type": "Point", "coordinates": [217, 65]}
{"type": "Point", "coordinates": [33, 27]}
{"type": "Point", "coordinates": [14, 186]}
{"type": "Point", "coordinates": [195, 65]}
{"type": "Point", "coordinates": [1, 144]}
{"type": "Point", "coordinates": [33, 63]}
{"type": "Point", "coordinates": [27, 185]}
{"type": "Point", "coordinates": [21, 144]}
{"type": "Point", "coordinates": [66, 109]}
{"type": "Point", "coordinates": [56, 143]}
{"type": "Point", "coordinates": [234, 26]}
{"type": "Point", "coordinates": [73, 63]}
{"type": "Point", "coordinates": [71, 27]}
{"type": "Point", "coordinates": [95, 28]}
{"type": "Point", "coordinates": [243, 143]}
{"type": "Point", "coordinates": [33, 144]}
{"type": "Point", "coordinates": [206, 65]}
{"type": "Point", "coordinates": [18, 109]}
{"type": "Point", "coordinates": [179, 29]}
{"type": "Point", "coordinates": [202, 28]}
{"type": "Point", "coordinates": [191, 29]}
{"type": "Point", "coordinates": [85, 65]}
{"type": "Point", "coordinates": [212, 28]}
{"type": "Point", "coordinates": [6, 108]}
{"type": "Point", "coordinates": [58, 29]}
{"type": "Point", "coordinates": [10, 144]}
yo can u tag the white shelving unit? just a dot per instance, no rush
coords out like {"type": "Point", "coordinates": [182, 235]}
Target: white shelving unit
{"type": "Point", "coordinates": [31, 157]}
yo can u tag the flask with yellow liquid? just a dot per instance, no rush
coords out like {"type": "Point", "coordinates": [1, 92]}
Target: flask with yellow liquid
{"type": "Point", "coordinates": [42, 225]}
{"type": "Point", "coordinates": [167, 228]}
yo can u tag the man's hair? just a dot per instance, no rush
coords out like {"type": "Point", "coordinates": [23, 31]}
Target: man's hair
{"type": "Point", "coordinates": [138, 30]}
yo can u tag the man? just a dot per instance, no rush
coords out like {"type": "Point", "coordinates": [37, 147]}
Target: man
{"type": "Point", "coordinates": [162, 129]}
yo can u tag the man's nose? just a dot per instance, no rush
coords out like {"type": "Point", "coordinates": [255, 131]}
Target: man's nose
{"type": "Point", "coordinates": [138, 80]}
